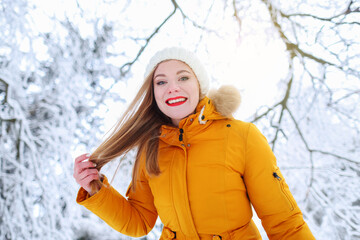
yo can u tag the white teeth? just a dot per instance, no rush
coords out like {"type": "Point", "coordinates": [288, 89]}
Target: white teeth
{"type": "Point", "coordinates": [176, 100]}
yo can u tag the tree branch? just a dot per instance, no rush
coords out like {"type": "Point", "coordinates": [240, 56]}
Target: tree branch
{"type": "Point", "coordinates": [308, 148]}
{"type": "Point", "coordinates": [283, 104]}
{"type": "Point", "coordinates": [192, 21]}
{"type": "Point", "coordinates": [347, 11]}
{"type": "Point", "coordinates": [12, 120]}
{"type": "Point", "coordinates": [347, 96]}
{"type": "Point", "coordinates": [266, 113]}
{"type": "Point", "coordinates": [126, 67]}
{"type": "Point", "coordinates": [335, 155]}
{"type": "Point", "coordinates": [6, 87]}
{"type": "Point", "coordinates": [236, 15]}
{"type": "Point", "coordinates": [293, 48]}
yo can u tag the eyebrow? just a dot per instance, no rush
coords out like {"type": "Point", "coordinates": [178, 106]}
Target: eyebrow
{"type": "Point", "coordinates": [163, 75]}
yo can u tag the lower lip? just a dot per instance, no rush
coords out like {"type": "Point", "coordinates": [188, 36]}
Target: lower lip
{"type": "Point", "coordinates": [176, 104]}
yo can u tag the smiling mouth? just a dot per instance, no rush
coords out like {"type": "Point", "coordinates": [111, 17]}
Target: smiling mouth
{"type": "Point", "coordinates": [176, 101]}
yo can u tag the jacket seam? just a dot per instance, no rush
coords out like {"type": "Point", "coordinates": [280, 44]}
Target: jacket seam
{"type": "Point", "coordinates": [226, 164]}
{"type": "Point", "coordinates": [189, 213]}
{"type": "Point", "coordinates": [246, 148]}
{"type": "Point", "coordinates": [171, 191]}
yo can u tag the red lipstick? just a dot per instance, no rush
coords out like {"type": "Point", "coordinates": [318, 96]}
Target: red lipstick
{"type": "Point", "coordinates": [176, 101]}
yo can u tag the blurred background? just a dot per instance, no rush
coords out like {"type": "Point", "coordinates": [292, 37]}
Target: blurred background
{"type": "Point", "coordinates": [68, 69]}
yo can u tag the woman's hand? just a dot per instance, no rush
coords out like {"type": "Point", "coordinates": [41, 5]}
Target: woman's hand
{"type": "Point", "coordinates": [85, 172]}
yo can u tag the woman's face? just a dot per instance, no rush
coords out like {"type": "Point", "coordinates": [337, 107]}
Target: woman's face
{"type": "Point", "coordinates": [176, 90]}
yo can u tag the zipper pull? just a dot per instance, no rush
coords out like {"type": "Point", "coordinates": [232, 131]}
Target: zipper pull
{"type": "Point", "coordinates": [181, 134]}
{"type": "Point", "coordinates": [276, 176]}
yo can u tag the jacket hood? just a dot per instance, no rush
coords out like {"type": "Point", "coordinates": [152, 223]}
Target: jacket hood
{"type": "Point", "coordinates": [226, 100]}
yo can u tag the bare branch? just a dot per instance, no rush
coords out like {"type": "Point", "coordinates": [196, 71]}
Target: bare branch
{"type": "Point", "coordinates": [309, 15]}
{"type": "Point", "coordinates": [126, 67]}
{"type": "Point", "coordinates": [307, 147]}
{"type": "Point", "coordinates": [335, 155]}
{"type": "Point", "coordinates": [4, 88]}
{"type": "Point", "coordinates": [347, 115]}
{"type": "Point", "coordinates": [315, 150]}
{"type": "Point", "coordinates": [350, 23]}
{"type": "Point", "coordinates": [11, 120]}
{"type": "Point", "coordinates": [347, 11]}
{"type": "Point", "coordinates": [205, 20]}
{"type": "Point", "coordinates": [347, 96]}
{"type": "Point", "coordinates": [283, 103]}
{"type": "Point", "coordinates": [236, 15]}
{"type": "Point", "coordinates": [192, 21]}
{"type": "Point", "coordinates": [293, 48]}
{"type": "Point", "coordinates": [266, 113]}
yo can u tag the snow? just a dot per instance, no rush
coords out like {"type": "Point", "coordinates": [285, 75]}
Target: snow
{"type": "Point", "coordinates": [61, 90]}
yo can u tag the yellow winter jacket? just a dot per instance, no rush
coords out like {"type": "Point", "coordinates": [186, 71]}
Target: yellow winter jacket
{"type": "Point", "coordinates": [212, 169]}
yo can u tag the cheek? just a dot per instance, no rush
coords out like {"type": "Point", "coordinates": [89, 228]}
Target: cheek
{"type": "Point", "coordinates": [157, 95]}
{"type": "Point", "coordinates": [196, 90]}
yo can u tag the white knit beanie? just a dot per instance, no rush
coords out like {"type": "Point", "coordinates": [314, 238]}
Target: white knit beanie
{"type": "Point", "coordinates": [177, 53]}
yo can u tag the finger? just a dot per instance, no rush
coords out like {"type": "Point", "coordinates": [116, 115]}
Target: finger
{"type": "Point", "coordinates": [88, 179]}
{"type": "Point", "coordinates": [82, 173]}
{"type": "Point", "coordinates": [82, 157]}
{"type": "Point", "coordinates": [80, 167]}
{"type": "Point", "coordinates": [85, 183]}
{"type": "Point", "coordinates": [78, 163]}
{"type": "Point", "coordinates": [86, 173]}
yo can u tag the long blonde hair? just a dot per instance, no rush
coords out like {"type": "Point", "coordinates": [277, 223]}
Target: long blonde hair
{"type": "Point", "coordinates": [139, 127]}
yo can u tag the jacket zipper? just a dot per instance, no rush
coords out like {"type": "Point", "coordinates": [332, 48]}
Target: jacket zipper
{"type": "Point", "coordinates": [277, 176]}
{"type": "Point", "coordinates": [282, 187]}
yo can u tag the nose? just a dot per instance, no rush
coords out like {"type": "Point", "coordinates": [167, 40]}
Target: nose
{"type": "Point", "coordinates": [173, 87]}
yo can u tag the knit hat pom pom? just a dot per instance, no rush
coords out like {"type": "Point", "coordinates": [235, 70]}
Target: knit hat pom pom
{"type": "Point", "coordinates": [226, 99]}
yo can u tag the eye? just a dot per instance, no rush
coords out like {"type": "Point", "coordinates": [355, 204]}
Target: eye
{"type": "Point", "coordinates": [184, 78]}
{"type": "Point", "coordinates": [160, 83]}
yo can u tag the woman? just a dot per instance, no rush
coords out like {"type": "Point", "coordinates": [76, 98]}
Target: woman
{"type": "Point", "coordinates": [197, 168]}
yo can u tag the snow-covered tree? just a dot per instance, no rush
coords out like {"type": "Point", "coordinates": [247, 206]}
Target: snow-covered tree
{"type": "Point", "coordinates": [315, 118]}
{"type": "Point", "coordinates": [50, 88]}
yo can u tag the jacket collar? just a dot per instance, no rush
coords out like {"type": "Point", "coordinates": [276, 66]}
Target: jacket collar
{"type": "Point", "coordinates": [205, 113]}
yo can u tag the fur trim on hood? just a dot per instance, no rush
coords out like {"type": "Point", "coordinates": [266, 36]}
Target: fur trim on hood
{"type": "Point", "coordinates": [226, 99]}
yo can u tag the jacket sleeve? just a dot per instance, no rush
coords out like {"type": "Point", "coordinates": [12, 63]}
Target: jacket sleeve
{"type": "Point", "coordinates": [134, 216]}
{"type": "Point", "coordinates": [269, 193]}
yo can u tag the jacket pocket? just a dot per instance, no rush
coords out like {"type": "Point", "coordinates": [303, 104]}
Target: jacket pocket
{"type": "Point", "coordinates": [284, 188]}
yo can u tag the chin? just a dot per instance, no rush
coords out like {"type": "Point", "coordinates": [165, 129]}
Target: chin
{"type": "Point", "coordinates": [178, 116]}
